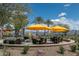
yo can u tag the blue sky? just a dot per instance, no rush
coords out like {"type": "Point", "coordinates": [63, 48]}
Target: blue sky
{"type": "Point", "coordinates": [51, 10]}
{"type": "Point", "coordinates": [56, 11]}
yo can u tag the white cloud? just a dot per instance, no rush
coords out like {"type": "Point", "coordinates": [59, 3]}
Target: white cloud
{"type": "Point", "coordinates": [74, 25]}
{"type": "Point", "coordinates": [62, 18]}
{"type": "Point", "coordinates": [62, 14]}
{"type": "Point", "coordinates": [55, 20]}
{"type": "Point", "coordinates": [67, 5]}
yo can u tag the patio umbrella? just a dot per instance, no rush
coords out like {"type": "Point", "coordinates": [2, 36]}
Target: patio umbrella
{"type": "Point", "coordinates": [38, 27]}
{"type": "Point", "coordinates": [59, 29]}
{"type": "Point", "coordinates": [9, 30]}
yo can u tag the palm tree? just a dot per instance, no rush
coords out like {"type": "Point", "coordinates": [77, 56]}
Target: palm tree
{"type": "Point", "coordinates": [48, 22]}
{"type": "Point", "coordinates": [66, 26]}
{"type": "Point", "coordinates": [38, 20]}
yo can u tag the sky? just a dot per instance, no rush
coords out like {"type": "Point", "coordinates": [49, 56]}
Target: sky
{"type": "Point", "coordinates": [57, 12]}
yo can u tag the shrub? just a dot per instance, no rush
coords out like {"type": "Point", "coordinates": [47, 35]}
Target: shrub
{"type": "Point", "coordinates": [51, 39]}
{"type": "Point", "coordinates": [8, 53]}
{"type": "Point", "coordinates": [6, 41]}
{"type": "Point", "coordinates": [55, 40]}
{"type": "Point", "coordinates": [41, 40]}
{"type": "Point", "coordinates": [25, 49]}
{"type": "Point", "coordinates": [73, 48]}
{"type": "Point", "coordinates": [1, 46]}
{"type": "Point", "coordinates": [11, 42]}
{"type": "Point", "coordinates": [26, 37]}
{"type": "Point", "coordinates": [34, 41]}
{"type": "Point", "coordinates": [61, 50]}
{"type": "Point", "coordinates": [60, 39]}
{"type": "Point", "coordinates": [77, 46]}
{"type": "Point", "coordinates": [4, 50]}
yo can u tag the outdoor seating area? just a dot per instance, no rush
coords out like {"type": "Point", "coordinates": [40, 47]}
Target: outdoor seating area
{"type": "Point", "coordinates": [35, 39]}
{"type": "Point", "coordinates": [38, 38]}
{"type": "Point", "coordinates": [21, 30]}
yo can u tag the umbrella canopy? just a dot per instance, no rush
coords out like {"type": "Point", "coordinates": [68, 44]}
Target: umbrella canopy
{"type": "Point", "coordinates": [38, 27]}
{"type": "Point", "coordinates": [7, 30]}
{"type": "Point", "coordinates": [59, 29]}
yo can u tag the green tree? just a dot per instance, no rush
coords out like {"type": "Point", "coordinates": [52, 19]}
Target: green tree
{"type": "Point", "coordinates": [5, 14]}
{"type": "Point", "coordinates": [19, 17]}
{"type": "Point", "coordinates": [48, 22]}
{"type": "Point", "coordinates": [7, 11]}
{"type": "Point", "coordinates": [38, 20]}
{"type": "Point", "coordinates": [19, 22]}
{"type": "Point", "coordinates": [8, 26]}
{"type": "Point", "coordinates": [66, 26]}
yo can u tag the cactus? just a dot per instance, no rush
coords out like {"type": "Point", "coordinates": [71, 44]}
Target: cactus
{"type": "Point", "coordinates": [73, 48]}
{"type": "Point", "coordinates": [25, 49]}
{"type": "Point", "coordinates": [61, 50]}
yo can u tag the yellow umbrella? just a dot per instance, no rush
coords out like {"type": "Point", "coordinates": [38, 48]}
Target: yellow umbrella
{"type": "Point", "coordinates": [59, 29]}
{"type": "Point", "coordinates": [38, 27]}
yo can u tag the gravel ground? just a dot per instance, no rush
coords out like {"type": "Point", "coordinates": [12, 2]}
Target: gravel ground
{"type": "Point", "coordinates": [46, 51]}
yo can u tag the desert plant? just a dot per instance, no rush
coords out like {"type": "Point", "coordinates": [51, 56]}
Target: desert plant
{"type": "Point", "coordinates": [77, 46]}
{"type": "Point", "coordinates": [34, 41]}
{"type": "Point", "coordinates": [77, 54]}
{"type": "Point", "coordinates": [25, 49]}
{"type": "Point", "coordinates": [54, 39]}
{"type": "Point", "coordinates": [7, 53]}
{"type": "Point", "coordinates": [61, 50]}
{"type": "Point", "coordinates": [4, 50]}
{"type": "Point", "coordinates": [73, 48]}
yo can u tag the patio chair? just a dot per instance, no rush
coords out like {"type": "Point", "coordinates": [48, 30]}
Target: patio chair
{"type": "Point", "coordinates": [18, 41]}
